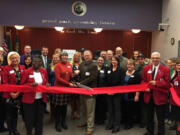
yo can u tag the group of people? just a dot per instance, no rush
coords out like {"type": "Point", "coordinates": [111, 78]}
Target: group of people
{"type": "Point", "coordinates": [108, 70]}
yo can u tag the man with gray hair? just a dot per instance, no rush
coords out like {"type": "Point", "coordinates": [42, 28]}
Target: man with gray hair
{"type": "Point", "coordinates": [122, 59]}
{"type": "Point", "coordinates": [156, 96]}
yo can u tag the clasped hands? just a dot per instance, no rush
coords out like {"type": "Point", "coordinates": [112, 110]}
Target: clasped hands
{"type": "Point", "coordinates": [152, 83]}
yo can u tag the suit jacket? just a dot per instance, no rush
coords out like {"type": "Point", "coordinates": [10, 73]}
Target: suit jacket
{"type": "Point", "coordinates": [9, 77]}
{"type": "Point", "coordinates": [88, 73]}
{"type": "Point", "coordinates": [162, 81]}
{"type": "Point", "coordinates": [48, 62]}
{"type": "Point", "coordinates": [176, 85]}
{"type": "Point", "coordinates": [27, 79]}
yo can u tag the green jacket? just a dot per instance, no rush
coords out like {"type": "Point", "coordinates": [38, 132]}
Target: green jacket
{"type": "Point", "coordinates": [88, 73]}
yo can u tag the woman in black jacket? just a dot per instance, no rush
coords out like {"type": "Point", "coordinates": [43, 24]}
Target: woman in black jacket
{"type": "Point", "coordinates": [114, 100]}
{"type": "Point", "coordinates": [131, 77]}
{"type": "Point", "coordinates": [101, 105]}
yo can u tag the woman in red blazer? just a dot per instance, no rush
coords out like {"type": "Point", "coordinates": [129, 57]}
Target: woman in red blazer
{"type": "Point", "coordinates": [33, 102]}
{"type": "Point", "coordinates": [175, 107]}
{"type": "Point", "coordinates": [63, 73]}
{"type": "Point", "coordinates": [12, 75]}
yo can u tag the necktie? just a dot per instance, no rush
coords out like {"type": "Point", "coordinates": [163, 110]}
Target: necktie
{"type": "Point", "coordinates": [153, 73]}
{"type": "Point", "coordinates": [45, 62]}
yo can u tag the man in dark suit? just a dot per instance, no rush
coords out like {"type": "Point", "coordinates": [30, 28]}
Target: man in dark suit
{"type": "Point", "coordinates": [156, 96]}
{"type": "Point", "coordinates": [46, 61]}
{"type": "Point", "coordinates": [44, 55]}
{"type": "Point", "coordinates": [88, 76]}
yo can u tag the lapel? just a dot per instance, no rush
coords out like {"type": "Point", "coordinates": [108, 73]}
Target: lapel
{"type": "Point", "coordinates": [159, 72]}
{"type": "Point", "coordinates": [11, 75]}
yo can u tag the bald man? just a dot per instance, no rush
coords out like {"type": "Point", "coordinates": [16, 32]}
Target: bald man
{"type": "Point", "coordinates": [122, 59]}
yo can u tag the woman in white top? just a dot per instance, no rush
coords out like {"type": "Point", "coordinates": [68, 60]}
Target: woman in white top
{"type": "Point", "coordinates": [33, 102]}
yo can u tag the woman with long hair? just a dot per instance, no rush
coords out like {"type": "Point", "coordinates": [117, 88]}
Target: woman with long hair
{"type": "Point", "coordinates": [75, 99]}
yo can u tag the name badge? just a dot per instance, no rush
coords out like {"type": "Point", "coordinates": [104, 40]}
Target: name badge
{"type": "Point", "coordinates": [68, 66]}
{"type": "Point", "coordinates": [87, 74]}
{"type": "Point", "coordinates": [132, 76]}
{"type": "Point", "coordinates": [31, 76]}
{"type": "Point", "coordinates": [149, 72]}
{"type": "Point", "coordinates": [161, 79]}
{"type": "Point", "coordinates": [11, 72]}
{"type": "Point", "coordinates": [102, 71]}
{"type": "Point", "coordinates": [109, 71]}
{"type": "Point", "coordinates": [176, 83]}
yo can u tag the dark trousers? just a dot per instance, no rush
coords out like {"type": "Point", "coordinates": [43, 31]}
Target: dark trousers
{"type": "Point", "coordinates": [33, 114]}
{"type": "Point", "coordinates": [128, 112]}
{"type": "Point", "coordinates": [160, 112]}
{"type": "Point", "coordinates": [114, 105]}
{"type": "Point", "coordinates": [101, 108]}
{"type": "Point", "coordinates": [11, 117]}
{"type": "Point", "coordinates": [60, 114]}
{"type": "Point", "coordinates": [2, 112]}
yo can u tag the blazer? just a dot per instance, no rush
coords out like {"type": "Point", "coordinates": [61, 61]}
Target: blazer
{"type": "Point", "coordinates": [162, 81]}
{"type": "Point", "coordinates": [63, 73]}
{"type": "Point", "coordinates": [27, 79]}
{"type": "Point", "coordinates": [9, 77]}
{"type": "Point", "coordinates": [176, 85]}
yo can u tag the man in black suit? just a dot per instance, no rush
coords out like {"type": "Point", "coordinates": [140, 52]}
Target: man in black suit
{"type": "Point", "coordinates": [44, 55]}
{"type": "Point", "coordinates": [46, 61]}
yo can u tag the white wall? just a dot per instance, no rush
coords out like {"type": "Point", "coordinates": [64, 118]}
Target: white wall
{"type": "Point", "coordinates": [161, 40]}
{"type": "Point", "coordinates": [1, 34]}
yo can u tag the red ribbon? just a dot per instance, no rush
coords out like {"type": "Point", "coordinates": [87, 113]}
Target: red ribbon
{"type": "Point", "coordinates": [94, 91]}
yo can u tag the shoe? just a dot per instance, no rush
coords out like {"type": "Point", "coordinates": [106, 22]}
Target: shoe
{"type": "Point", "coordinates": [77, 116]}
{"type": "Point", "coordinates": [3, 129]}
{"type": "Point", "coordinates": [64, 125]}
{"type": "Point", "coordinates": [147, 133]}
{"type": "Point", "coordinates": [174, 127]}
{"type": "Point", "coordinates": [142, 125]}
{"type": "Point", "coordinates": [46, 112]}
{"type": "Point", "coordinates": [16, 133]}
{"type": "Point", "coordinates": [128, 126]}
{"type": "Point", "coordinates": [115, 130]}
{"type": "Point", "coordinates": [58, 127]}
{"type": "Point", "coordinates": [88, 132]}
{"type": "Point", "coordinates": [82, 125]}
{"type": "Point", "coordinates": [100, 122]}
{"type": "Point", "coordinates": [109, 127]}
